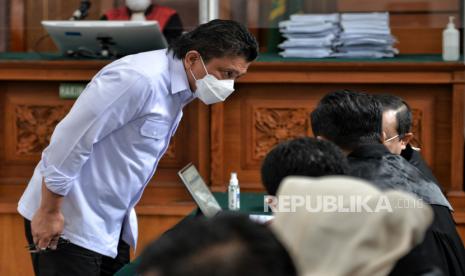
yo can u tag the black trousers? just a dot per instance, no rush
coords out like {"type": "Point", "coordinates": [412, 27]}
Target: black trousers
{"type": "Point", "coordinates": [70, 259]}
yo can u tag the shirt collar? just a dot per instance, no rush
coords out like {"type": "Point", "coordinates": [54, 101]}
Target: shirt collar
{"type": "Point", "coordinates": [179, 81]}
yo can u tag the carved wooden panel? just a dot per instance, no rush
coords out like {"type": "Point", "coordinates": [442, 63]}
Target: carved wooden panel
{"type": "Point", "coordinates": [270, 123]}
{"type": "Point", "coordinates": [275, 125]}
{"type": "Point", "coordinates": [30, 120]}
{"type": "Point", "coordinates": [34, 127]}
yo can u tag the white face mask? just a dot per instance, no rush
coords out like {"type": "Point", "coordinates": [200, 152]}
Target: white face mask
{"type": "Point", "coordinates": [138, 5]}
{"type": "Point", "coordinates": [211, 90]}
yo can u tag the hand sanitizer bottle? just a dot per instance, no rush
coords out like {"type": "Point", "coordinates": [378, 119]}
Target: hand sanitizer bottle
{"type": "Point", "coordinates": [234, 193]}
{"type": "Point", "coordinates": [450, 42]}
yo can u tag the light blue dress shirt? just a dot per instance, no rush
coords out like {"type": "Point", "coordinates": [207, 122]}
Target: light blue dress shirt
{"type": "Point", "coordinates": [104, 152]}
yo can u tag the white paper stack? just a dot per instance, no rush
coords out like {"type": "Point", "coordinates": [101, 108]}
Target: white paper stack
{"type": "Point", "coordinates": [365, 35]}
{"type": "Point", "coordinates": [309, 35]}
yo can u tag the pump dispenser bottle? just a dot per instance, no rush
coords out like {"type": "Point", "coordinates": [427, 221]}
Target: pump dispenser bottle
{"type": "Point", "coordinates": [234, 193]}
{"type": "Point", "coordinates": [450, 42]}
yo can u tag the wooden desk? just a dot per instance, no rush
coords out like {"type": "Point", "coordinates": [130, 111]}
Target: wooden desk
{"type": "Point", "coordinates": [272, 104]}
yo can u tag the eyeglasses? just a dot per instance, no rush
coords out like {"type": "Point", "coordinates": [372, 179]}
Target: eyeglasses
{"type": "Point", "coordinates": [32, 248]}
{"type": "Point", "coordinates": [392, 138]}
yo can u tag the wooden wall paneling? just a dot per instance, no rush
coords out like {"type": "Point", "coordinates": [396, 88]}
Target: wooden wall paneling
{"type": "Point", "coordinates": [153, 226]}
{"type": "Point", "coordinates": [237, 10]}
{"type": "Point", "coordinates": [442, 140]}
{"type": "Point", "coordinates": [14, 258]}
{"type": "Point", "coordinates": [3, 92]}
{"type": "Point", "coordinates": [252, 16]}
{"type": "Point", "coordinates": [322, 6]}
{"type": "Point", "coordinates": [17, 26]}
{"type": "Point", "coordinates": [457, 119]}
{"type": "Point", "coordinates": [225, 9]}
{"type": "Point", "coordinates": [423, 20]}
{"type": "Point", "coordinates": [217, 145]}
{"type": "Point", "coordinates": [4, 24]}
{"type": "Point", "coordinates": [418, 40]}
{"type": "Point", "coordinates": [199, 140]}
{"type": "Point", "coordinates": [398, 5]}
{"type": "Point", "coordinates": [30, 116]}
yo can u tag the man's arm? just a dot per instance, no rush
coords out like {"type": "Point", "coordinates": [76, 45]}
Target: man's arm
{"type": "Point", "coordinates": [48, 222]}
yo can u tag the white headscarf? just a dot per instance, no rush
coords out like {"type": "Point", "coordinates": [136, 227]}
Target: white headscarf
{"type": "Point", "coordinates": [349, 243]}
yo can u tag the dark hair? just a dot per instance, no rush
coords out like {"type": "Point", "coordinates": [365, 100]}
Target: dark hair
{"type": "Point", "coordinates": [216, 39]}
{"type": "Point", "coordinates": [226, 245]}
{"type": "Point", "coordinates": [304, 157]}
{"type": "Point", "coordinates": [348, 118]}
{"type": "Point", "coordinates": [402, 109]}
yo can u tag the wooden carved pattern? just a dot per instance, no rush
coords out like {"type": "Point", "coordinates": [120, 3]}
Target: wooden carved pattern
{"type": "Point", "coordinates": [417, 116]}
{"type": "Point", "coordinates": [35, 125]}
{"type": "Point", "coordinates": [274, 125]}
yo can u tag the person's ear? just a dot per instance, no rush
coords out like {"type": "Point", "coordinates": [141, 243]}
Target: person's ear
{"type": "Point", "coordinates": [383, 137]}
{"type": "Point", "coordinates": [406, 139]}
{"type": "Point", "coordinates": [191, 58]}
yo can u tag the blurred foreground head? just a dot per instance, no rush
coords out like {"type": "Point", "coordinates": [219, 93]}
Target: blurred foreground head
{"type": "Point", "coordinates": [226, 245]}
{"type": "Point", "coordinates": [348, 237]}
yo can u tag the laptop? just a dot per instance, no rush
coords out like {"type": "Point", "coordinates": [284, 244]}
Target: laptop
{"type": "Point", "coordinates": [204, 198]}
{"type": "Point", "coordinates": [199, 191]}
{"type": "Point", "coordinates": [122, 37]}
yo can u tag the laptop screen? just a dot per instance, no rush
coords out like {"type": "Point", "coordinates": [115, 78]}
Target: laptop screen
{"type": "Point", "coordinates": [199, 191]}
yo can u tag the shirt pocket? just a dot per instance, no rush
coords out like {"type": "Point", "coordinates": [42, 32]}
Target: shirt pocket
{"type": "Point", "coordinates": [154, 129]}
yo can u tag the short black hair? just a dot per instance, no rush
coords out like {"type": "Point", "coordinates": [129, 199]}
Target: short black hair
{"type": "Point", "coordinates": [348, 118]}
{"type": "Point", "coordinates": [226, 245]}
{"type": "Point", "coordinates": [215, 39]}
{"type": "Point", "coordinates": [402, 109]}
{"type": "Point", "coordinates": [303, 157]}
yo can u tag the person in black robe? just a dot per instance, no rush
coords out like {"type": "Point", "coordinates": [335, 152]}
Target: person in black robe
{"type": "Point", "coordinates": [353, 121]}
{"type": "Point", "coordinates": [397, 124]}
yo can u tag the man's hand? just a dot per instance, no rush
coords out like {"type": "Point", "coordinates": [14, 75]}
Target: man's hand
{"type": "Point", "coordinates": [46, 228]}
{"type": "Point", "coordinates": [48, 222]}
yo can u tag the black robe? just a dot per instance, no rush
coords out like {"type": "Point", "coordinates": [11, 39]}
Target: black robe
{"type": "Point", "coordinates": [442, 247]}
{"type": "Point", "coordinates": [414, 157]}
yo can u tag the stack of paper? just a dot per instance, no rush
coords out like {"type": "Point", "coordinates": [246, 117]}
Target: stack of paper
{"type": "Point", "coordinates": [365, 35]}
{"type": "Point", "coordinates": [309, 35]}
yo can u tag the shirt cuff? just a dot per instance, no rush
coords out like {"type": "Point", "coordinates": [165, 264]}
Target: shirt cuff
{"type": "Point", "coordinates": [56, 181]}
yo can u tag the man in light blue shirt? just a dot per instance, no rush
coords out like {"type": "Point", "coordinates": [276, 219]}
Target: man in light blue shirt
{"type": "Point", "coordinates": [103, 153]}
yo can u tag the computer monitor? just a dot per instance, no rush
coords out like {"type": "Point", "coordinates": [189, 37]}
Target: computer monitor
{"type": "Point", "coordinates": [118, 37]}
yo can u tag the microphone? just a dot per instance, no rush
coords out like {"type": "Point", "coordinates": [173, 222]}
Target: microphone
{"type": "Point", "coordinates": [82, 12]}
